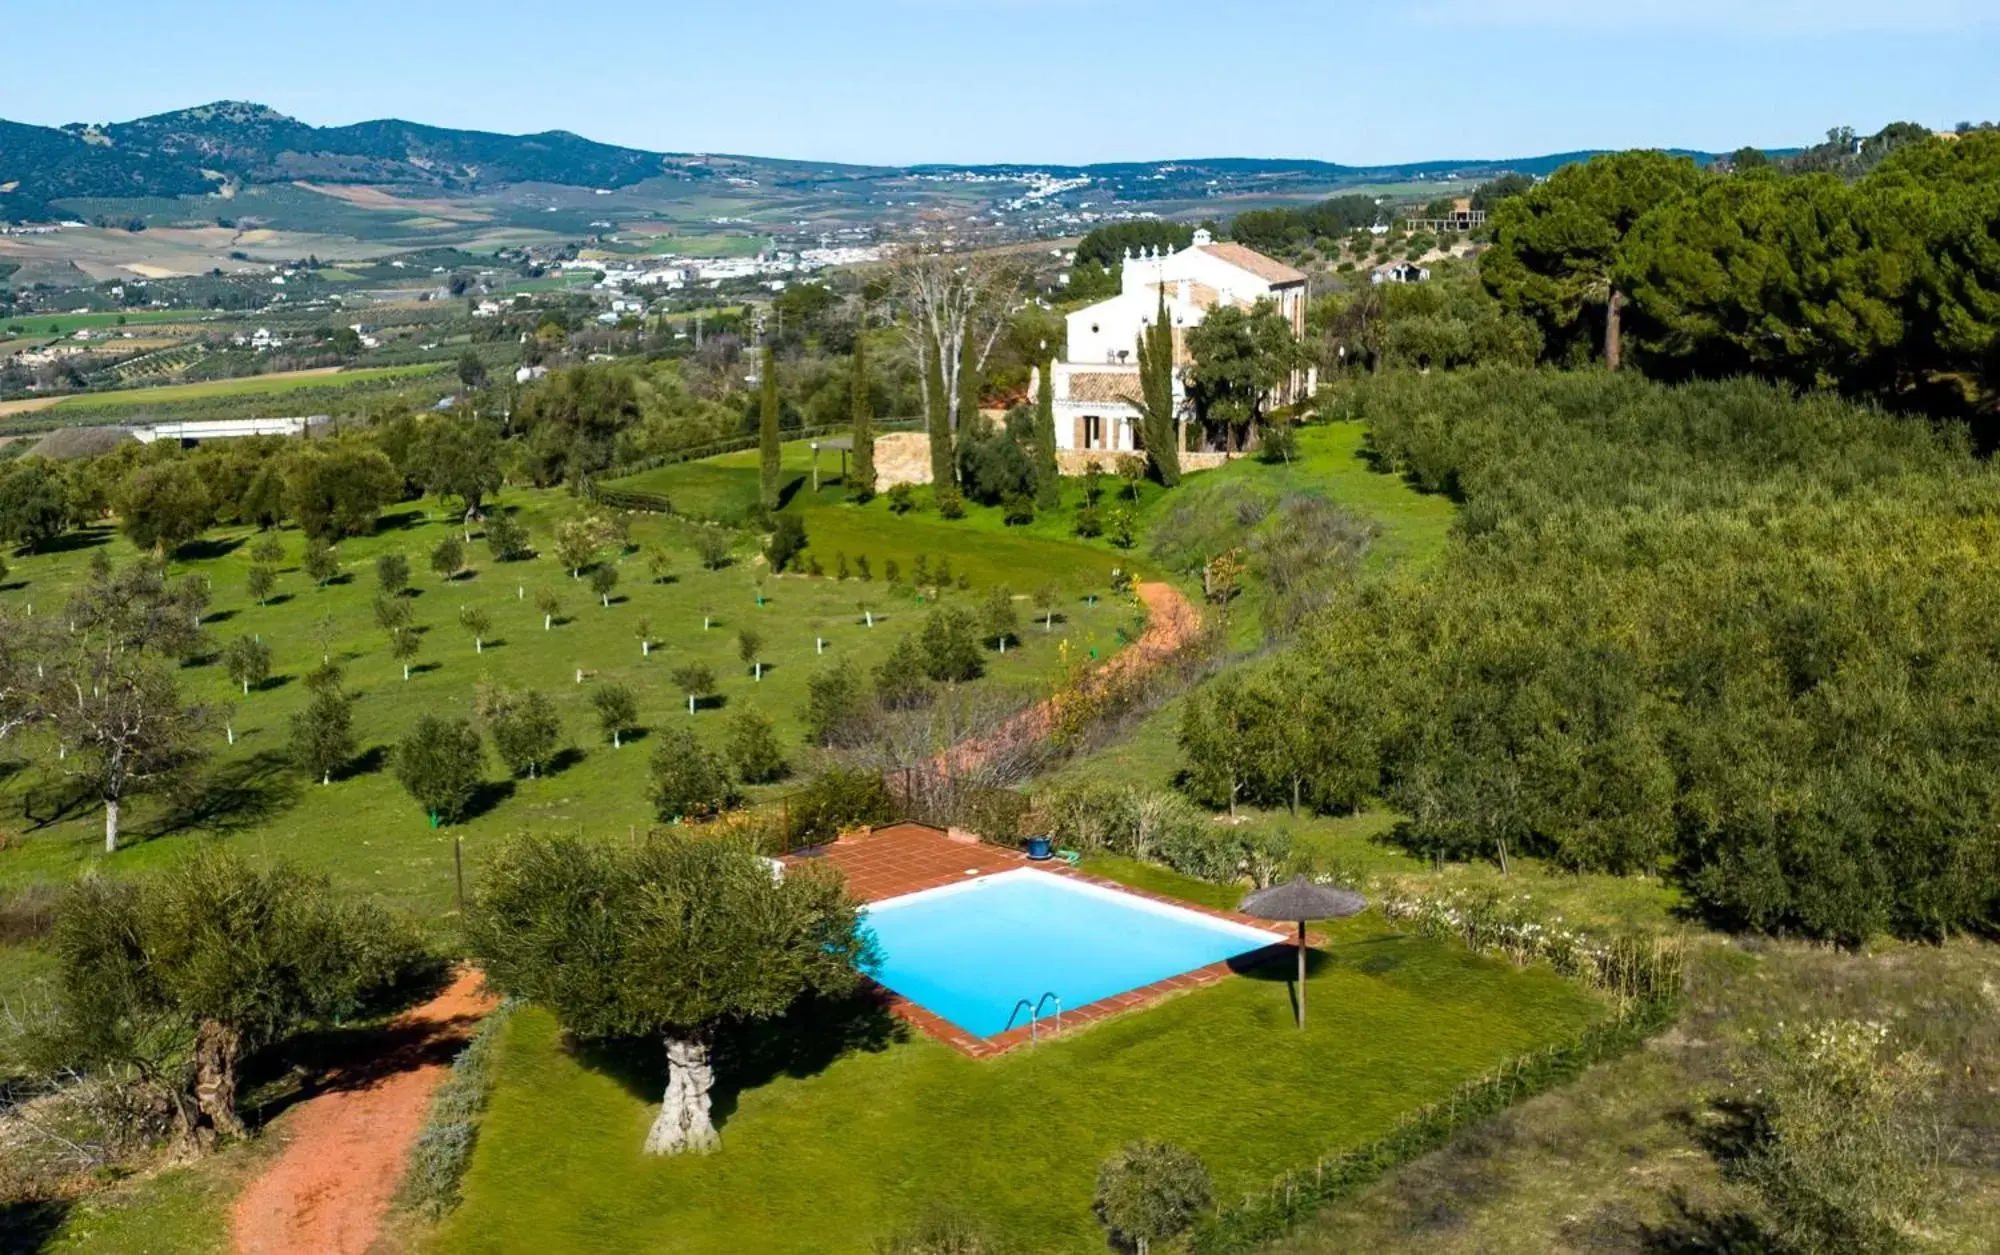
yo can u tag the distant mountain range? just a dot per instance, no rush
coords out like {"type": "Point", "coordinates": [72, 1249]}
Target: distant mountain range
{"type": "Point", "coordinates": [191, 152]}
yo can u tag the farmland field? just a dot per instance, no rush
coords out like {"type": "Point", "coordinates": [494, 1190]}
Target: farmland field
{"type": "Point", "coordinates": [364, 829]}
{"type": "Point", "coordinates": [276, 384]}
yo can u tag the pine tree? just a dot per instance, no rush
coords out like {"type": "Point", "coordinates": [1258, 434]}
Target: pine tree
{"type": "Point", "coordinates": [767, 432]}
{"type": "Point", "coordinates": [862, 406]}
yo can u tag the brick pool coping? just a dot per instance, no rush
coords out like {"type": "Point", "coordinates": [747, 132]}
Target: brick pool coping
{"type": "Point", "coordinates": [909, 858]}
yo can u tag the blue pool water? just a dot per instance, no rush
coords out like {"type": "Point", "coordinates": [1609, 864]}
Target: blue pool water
{"type": "Point", "coordinates": [968, 952]}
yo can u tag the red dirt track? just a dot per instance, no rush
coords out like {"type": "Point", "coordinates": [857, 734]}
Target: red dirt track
{"type": "Point", "coordinates": [346, 1147]}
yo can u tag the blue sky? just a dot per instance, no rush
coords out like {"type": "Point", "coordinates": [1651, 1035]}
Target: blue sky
{"type": "Point", "coordinates": [1034, 80]}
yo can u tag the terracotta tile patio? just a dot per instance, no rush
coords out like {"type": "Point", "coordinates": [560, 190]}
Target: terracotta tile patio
{"type": "Point", "coordinates": [908, 858]}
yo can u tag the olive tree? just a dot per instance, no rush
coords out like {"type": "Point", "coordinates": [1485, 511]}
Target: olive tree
{"type": "Point", "coordinates": [323, 733]}
{"type": "Point", "coordinates": [617, 710]}
{"type": "Point", "coordinates": [440, 764]}
{"type": "Point", "coordinates": [525, 729]}
{"type": "Point", "coordinates": [602, 581]}
{"type": "Point", "coordinates": [697, 680]}
{"type": "Point", "coordinates": [392, 574]}
{"type": "Point", "coordinates": [674, 938]}
{"type": "Point", "coordinates": [248, 661]}
{"type": "Point", "coordinates": [477, 622]}
{"type": "Point", "coordinates": [1151, 1192]}
{"type": "Point", "coordinates": [448, 559]}
{"type": "Point", "coordinates": [180, 975]}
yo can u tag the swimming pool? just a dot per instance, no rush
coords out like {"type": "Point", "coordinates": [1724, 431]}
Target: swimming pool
{"type": "Point", "coordinates": [970, 952]}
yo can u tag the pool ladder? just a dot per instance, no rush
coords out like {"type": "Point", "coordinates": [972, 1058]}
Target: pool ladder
{"type": "Point", "coordinates": [1035, 1015]}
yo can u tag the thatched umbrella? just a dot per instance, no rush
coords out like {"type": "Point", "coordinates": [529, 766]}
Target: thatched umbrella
{"type": "Point", "coordinates": [1300, 899]}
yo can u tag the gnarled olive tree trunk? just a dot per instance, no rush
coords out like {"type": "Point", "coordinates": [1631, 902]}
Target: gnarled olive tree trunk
{"type": "Point", "coordinates": [216, 1046]}
{"type": "Point", "coordinates": [683, 1123]}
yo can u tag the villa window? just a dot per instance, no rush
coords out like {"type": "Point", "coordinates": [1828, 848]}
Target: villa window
{"type": "Point", "coordinates": [1093, 432]}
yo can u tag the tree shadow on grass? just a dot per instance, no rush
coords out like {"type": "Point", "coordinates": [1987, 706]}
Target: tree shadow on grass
{"type": "Point", "coordinates": [366, 763]}
{"type": "Point", "coordinates": [425, 668]}
{"type": "Point", "coordinates": [400, 521]}
{"type": "Point", "coordinates": [801, 1043]}
{"type": "Point", "coordinates": [237, 796]}
{"type": "Point", "coordinates": [1692, 1229]}
{"type": "Point", "coordinates": [208, 549]}
{"type": "Point", "coordinates": [30, 1225]}
{"type": "Point", "coordinates": [70, 542]}
{"type": "Point", "coordinates": [217, 616]}
{"type": "Point", "coordinates": [278, 599]}
{"type": "Point", "coordinates": [489, 794]}
{"type": "Point", "coordinates": [15, 587]}
{"type": "Point", "coordinates": [271, 684]}
{"type": "Point", "coordinates": [563, 759]}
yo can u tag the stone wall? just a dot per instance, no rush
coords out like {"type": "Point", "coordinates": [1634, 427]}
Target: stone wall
{"type": "Point", "coordinates": [902, 457]}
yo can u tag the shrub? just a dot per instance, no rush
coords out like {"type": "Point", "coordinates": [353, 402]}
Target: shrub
{"type": "Point", "coordinates": [951, 647]}
{"type": "Point", "coordinates": [444, 1146]}
{"type": "Point", "coordinates": [835, 802]}
{"type": "Point", "coordinates": [1848, 1154]}
{"type": "Point", "coordinates": [837, 707]}
{"type": "Point", "coordinates": [788, 540]}
{"type": "Point", "coordinates": [950, 503]}
{"type": "Point", "coordinates": [900, 682]}
{"type": "Point", "coordinates": [711, 543]}
{"type": "Point", "coordinates": [753, 748]}
{"type": "Point", "coordinates": [1089, 521]}
{"type": "Point", "coordinates": [686, 779]}
{"type": "Point", "coordinates": [941, 1233]}
{"type": "Point", "coordinates": [1152, 1192]}
{"type": "Point", "coordinates": [1017, 509]}
{"type": "Point", "coordinates": [901, 499]}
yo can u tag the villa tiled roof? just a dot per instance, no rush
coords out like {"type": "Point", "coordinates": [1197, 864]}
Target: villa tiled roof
{"type": "Point", "coordinates": [1268, 269]}
{"type": "Point", "coordinates": [1103, 385]}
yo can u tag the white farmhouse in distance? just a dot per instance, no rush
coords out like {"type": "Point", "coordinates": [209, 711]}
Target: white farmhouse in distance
{"type": "Point", "coordinates": [1094, 384]}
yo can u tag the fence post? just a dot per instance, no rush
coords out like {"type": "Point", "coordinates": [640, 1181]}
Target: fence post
{"type": "Point", "coordinates": [458, 868]}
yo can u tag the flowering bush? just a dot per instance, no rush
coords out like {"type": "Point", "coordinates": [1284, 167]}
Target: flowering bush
{"type": "Point", "coordinates": [1630, 968]}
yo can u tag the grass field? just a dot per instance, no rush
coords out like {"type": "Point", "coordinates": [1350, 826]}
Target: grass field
{"type": "Point", "coordinates": [365, 830]}
{"type": "Point", "coordinates": [276, 384]}
{"type": "Point", "coordinates": [832, 1154]}
{"type": "Point", "coordinates": [66, 324]}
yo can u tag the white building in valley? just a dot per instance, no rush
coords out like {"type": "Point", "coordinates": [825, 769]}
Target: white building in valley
{"type": "Point", "coordinates": [1096, 382]}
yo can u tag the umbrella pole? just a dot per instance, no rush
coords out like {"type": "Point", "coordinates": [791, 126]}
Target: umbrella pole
{"type": "Point", "coordinates": [1302, 973]}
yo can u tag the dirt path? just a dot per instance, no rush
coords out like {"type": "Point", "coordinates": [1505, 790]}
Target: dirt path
{"type": "Point", "coordinates": [1171, 621]}
{"type": "Point", "coordinates": [330, 1187]}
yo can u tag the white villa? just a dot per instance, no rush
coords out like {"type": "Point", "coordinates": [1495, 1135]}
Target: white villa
{"type": "Point", "coordinates": [1093, 386]}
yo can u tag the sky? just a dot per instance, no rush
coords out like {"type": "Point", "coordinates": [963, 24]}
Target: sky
{"type": "Point", "coordinates": [1055, 81]}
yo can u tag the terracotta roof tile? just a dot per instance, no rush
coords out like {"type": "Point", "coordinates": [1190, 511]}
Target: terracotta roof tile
{"type": "Point", "coordinates": [1265, 268]}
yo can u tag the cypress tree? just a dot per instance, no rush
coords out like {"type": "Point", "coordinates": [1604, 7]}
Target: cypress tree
{"type": "Point", "coordinates": [1156, 403]}
{"type": "Point", "coordinates": [863, 408]}
{"type": "Point", "coordinates": [1048, 475]}
{"type": "Point", "coordinates": [968, 387]}
{"type": "Point", "coordinates": [767, 432]}
{"type": "Point", "coordinates": [944, 467]}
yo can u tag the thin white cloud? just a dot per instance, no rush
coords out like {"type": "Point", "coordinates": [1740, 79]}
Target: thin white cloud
{"type": "Point", "coordinates": [1787, 18]}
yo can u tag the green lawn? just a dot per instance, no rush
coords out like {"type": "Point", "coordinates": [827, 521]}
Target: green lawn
{"type": "Point", "coordinates": [364, 830]}
{"type": "Point", "coordinates": [832, 1155]}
